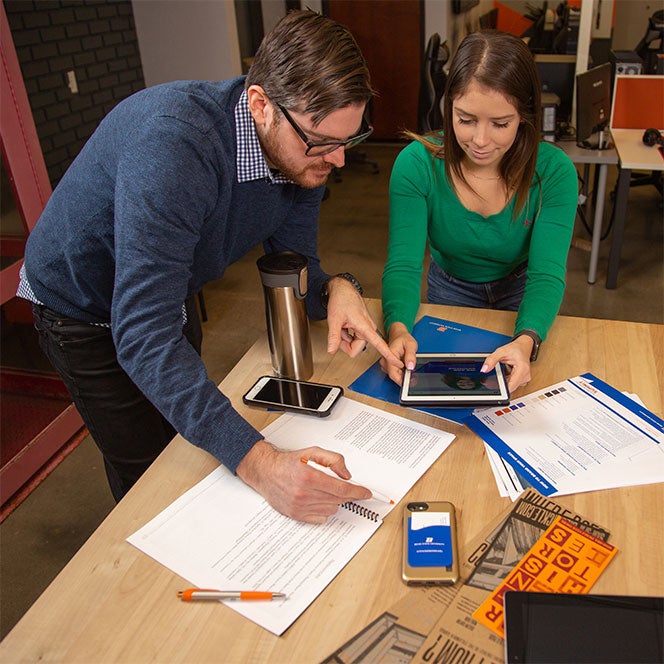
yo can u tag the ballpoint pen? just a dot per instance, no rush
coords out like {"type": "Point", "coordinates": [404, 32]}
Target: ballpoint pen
{"type": "Point", "coordinates": [376, 495]}
{"type": "Point", "coordinates": [203, 594]}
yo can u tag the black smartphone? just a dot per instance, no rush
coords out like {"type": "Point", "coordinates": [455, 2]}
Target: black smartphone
{"type": "Point", "coordinates": [293, 395]}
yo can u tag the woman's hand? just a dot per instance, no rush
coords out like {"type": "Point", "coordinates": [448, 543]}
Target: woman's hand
{"type": "Point", "coordinates": [403, 345]}
{"type": "Point", "coordinates": [516, 356]}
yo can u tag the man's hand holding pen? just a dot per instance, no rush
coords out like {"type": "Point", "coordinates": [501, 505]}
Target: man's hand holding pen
{"type": "Point", "coordinates": [376, 495]}
{"type": "Point", "coordinates": [295, 489]}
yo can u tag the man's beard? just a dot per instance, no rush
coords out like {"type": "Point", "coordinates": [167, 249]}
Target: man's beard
{"type": "Point", "coordinates": [313, 175]}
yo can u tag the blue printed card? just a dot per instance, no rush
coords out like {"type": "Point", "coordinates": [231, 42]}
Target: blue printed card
{"type": "Point", "coordinates": [429, 539]}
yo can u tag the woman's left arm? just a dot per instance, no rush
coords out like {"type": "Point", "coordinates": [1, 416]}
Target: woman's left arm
{"type": "Point", "coordinates": [550, 240]}
{"type": "Point", "coordinates": [556, 202]}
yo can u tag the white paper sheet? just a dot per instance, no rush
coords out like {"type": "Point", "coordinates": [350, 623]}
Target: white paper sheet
{"type": "Point", "coordinates": [578, 435]}
{"type": "Point", "coordinates": [222, 534]}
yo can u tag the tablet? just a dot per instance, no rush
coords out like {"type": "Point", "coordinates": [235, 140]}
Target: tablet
{"type": "Point", "coordinates": [590, 629]}
{"type": "Point", "coordinates": [453, 379]}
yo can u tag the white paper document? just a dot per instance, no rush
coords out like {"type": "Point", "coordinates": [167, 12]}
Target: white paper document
{"type": "Point", "coordinates": [578, 435]}
{"type": "Point", "coordinates": [222, 534]}
{"type": "Point", "coordinates": [510, 484]}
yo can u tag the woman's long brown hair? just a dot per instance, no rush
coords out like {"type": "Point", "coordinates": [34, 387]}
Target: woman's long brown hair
{"type": "Point", "coordinates": [501, 62]}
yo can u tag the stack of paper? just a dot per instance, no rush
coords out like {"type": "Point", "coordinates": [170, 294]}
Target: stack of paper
{"type": "Point", "coordinates": [578, 435]}
{"type": "Point", "coordinates": [436, 625]}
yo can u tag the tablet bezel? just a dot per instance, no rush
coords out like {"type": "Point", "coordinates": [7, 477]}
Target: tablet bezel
{"type": "Point", "coordinates": [454, 399]}
{"type": "Point", "coordinates": [590, 611]}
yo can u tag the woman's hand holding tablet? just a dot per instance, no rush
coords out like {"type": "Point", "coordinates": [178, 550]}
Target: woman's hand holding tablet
{"type": "Point", "coordinates": [453, 379]}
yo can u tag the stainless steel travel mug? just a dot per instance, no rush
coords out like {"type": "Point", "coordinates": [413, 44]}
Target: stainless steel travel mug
{"type": "Point", "coordinates": [284, 277]}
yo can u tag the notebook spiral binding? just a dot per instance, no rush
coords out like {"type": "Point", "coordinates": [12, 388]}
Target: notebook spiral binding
{"type": "Point", "coordinates": [362, 511]}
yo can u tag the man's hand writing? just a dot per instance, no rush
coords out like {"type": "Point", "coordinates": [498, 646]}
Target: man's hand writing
{"type": "Point", "coordinates": [296, 489]}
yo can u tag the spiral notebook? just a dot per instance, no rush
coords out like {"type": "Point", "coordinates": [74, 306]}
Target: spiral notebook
{"type": "Point", "coordinates": [222, 534]}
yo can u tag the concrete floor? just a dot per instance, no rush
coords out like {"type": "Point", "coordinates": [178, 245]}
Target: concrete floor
{"type": "Point", "coordinates": [45, 531]}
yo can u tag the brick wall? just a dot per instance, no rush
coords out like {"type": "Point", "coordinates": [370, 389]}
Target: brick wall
{"type": "Point", "coordinates": [96, 39]}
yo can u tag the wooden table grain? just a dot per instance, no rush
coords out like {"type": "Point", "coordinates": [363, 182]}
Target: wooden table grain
{"type": "Point", "coordinates": [112, 603]}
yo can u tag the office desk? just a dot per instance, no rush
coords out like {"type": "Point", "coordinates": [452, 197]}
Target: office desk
{"type": "Point", "coordinates": [112, 603]}
{"type": "Point", "coordinates": [602, 159]}
{"type": "Point", "coordinates": [632, 154]}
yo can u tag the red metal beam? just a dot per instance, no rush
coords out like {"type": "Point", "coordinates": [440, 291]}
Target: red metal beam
{"type": "Point", "coordinates": [21, 151]}
{"type": "Point", "coordinates": [15, 473]}
{"type": "Point", "coordinates": [24, 163]}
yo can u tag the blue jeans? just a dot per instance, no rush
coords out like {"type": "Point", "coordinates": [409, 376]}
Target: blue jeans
{"type": "Point", "coordinates": [505, 293]}
{"type": "Point", "coordinates": [126, 427]}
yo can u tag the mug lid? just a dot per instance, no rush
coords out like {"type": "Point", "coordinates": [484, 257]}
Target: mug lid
{"type": "Point", "coordinates": [282, 262]}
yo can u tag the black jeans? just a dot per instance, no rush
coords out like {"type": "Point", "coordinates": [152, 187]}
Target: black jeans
{"type": "Point", "coordinates": [127, 428]}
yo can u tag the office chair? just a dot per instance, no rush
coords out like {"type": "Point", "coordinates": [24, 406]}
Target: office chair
{"type": "Point", "coordinates": [540, 33]}
{"type": "Point", "coordinates": [654, 32]}
{"type": "Point", "coordinates": [432, 85]}
{"type": "Point", "coordinates": [654, 178]}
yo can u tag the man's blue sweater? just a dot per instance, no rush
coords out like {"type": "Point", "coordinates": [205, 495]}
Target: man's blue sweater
{"type": "Point", "coordinates": [150, 211]}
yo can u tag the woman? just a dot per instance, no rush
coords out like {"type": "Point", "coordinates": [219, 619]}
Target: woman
{"type": "Point", "coordinates": [495, 204]}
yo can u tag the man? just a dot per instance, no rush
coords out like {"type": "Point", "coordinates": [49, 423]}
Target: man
{"type": "Point", "coordinates": [177, 182]}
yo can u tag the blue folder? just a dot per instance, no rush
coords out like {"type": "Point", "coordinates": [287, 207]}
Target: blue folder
{"type": "Point", "coordinates": [433, 335]}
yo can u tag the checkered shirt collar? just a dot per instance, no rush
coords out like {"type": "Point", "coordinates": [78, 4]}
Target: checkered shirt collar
{"type": "Point", "coordinates": [251, 164]}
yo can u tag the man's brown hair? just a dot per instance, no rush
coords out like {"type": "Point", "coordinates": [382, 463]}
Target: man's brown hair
{"type": "Point", "coordinates": [311, 64]}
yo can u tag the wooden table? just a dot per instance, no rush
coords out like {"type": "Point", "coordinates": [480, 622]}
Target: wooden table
{"type": "Point", "coordinates": [633, 154]}
{"type": "Point", "coordinates": [112, 603]}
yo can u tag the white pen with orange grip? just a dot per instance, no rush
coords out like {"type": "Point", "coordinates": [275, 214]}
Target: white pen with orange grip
{"type": "Point", "coordinates": [207, 594]}
{"type": "Point", "coordinates": [376, 495]}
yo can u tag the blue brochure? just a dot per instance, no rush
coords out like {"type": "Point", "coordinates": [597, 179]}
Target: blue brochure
{"type": "Point", "coordinates": [433, 335]}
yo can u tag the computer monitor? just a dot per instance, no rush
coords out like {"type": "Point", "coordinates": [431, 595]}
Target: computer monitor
{"type": "Point", "coordinates": [593, 106]}
{"type": "Point", "coordinates": [556, 74]}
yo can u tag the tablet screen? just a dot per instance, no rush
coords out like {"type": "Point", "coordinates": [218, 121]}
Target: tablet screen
{"type": "Point", "coordinates": [453, 378]}
{"type": "Point", "coordinates": [553, 627]}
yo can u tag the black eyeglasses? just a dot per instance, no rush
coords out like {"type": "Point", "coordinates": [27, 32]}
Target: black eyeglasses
{"type": "Point", "coordinates": [325, 147]}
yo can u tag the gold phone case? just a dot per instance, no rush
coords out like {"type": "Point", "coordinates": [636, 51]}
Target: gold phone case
{"type": "Point", "coordinates": [430, 575]}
